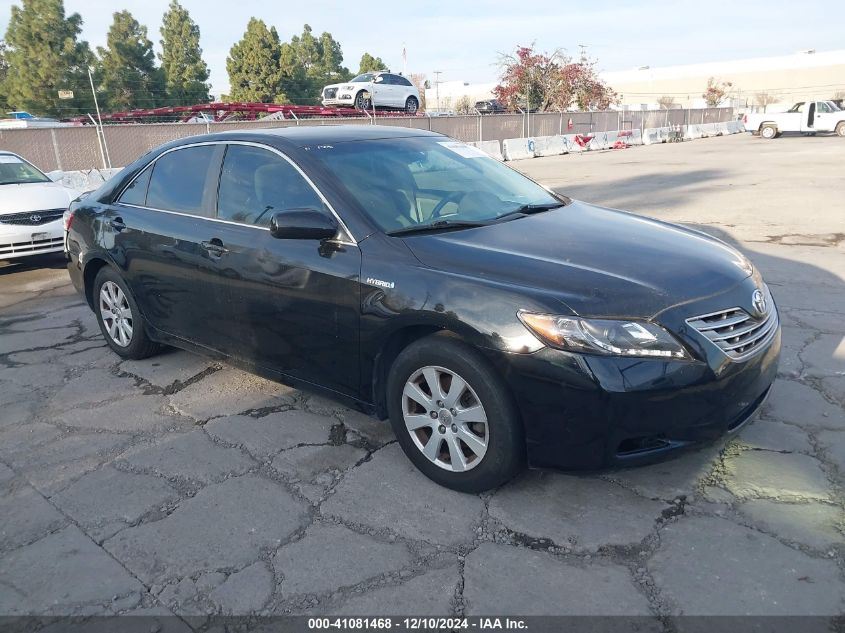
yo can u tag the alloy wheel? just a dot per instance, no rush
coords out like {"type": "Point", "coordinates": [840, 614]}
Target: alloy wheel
{"type": "Point", "coordinates": [116, 313]}
{"type": "Point", "coordinates": [445, 418]}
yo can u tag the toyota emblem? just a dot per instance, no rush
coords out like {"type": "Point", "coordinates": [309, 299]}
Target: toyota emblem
{"type": "Point", "coordinates": [35, 218]}
{"type": "Point", "coordinates": [758, 301]}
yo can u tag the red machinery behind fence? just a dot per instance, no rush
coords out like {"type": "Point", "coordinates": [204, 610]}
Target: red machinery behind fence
{"type": "Point", "coordinates": [247, 111]}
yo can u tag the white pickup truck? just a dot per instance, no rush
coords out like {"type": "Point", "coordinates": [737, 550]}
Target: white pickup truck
{"type": "Point", "coordinates": [807, 117]}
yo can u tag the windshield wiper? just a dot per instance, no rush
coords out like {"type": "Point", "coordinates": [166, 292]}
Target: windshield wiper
{"type": "Point", "coordinates": [528, 209]}
{"type": "Point", "coordinates": [439, 225]}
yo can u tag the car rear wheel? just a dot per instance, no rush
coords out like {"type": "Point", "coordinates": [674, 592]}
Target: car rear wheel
{"type": "Point", "coordinates": [119, 318]}
{"type": "Point", "coordinates": [768, 132]}
{"type": "Point", "coordinates": [840, 128]}
{"type": "Point", "coordinates": [453, 416]}
{"type": "Point", "coordinates": [412, 105]}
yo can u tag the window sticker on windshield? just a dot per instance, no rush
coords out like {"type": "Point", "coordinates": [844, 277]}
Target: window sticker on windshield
{"type": "Point", "coordinates": [10, 159]}
{"type": "Point", "coordinates": [462, 149]}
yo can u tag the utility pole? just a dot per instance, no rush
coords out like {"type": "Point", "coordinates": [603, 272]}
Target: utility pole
{"type": "Point", "coordinates": [437, 88]}
{"type": "Point", "coordinates": [104, 149]}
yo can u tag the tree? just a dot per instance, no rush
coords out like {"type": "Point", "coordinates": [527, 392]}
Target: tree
{"type": "Point", "coordinates": [464, 105]}
{"type": "Point", "coordinates": [542, 81]}
{"type": "Point", "coordinates": [129, 77]}
{"type": "Point", "coordinates": [185, 71]}
{"type": "Point", "coordinates": [253, 64]}
{"type": "Point", "coordinates": [369, 63]}
{"type": "Point", "coordinates": [419, 80]}
{"type": "Point", "coordinates": [315, 62]}
{"type": "Point", "coordinates": [4, 71]}
{"type": "Point", "coordinates": [716, 91]}
{"type": "Point", "coordinates": [666, 102]}
{"type": "Point", "coordinates": [764, 100]}
{"type": "Point", "coordinates": [46, 57]}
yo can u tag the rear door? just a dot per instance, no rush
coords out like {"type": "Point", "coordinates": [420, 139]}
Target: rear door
{"type": "Point", "coordinates": [156, 232]}
{"type": "Point", "coordinates": [825, 117]}
{"type": "Point", "coordinates": [292, 305]}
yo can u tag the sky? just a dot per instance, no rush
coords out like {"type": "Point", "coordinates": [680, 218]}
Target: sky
{"type": "Point", "coordinates": [464, 39]}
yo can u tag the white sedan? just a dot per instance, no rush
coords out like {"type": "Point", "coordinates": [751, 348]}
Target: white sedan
{"type": "Point", "coordinates": [384, 89]}
{"type": "Point", "coordinates": [31, 208]}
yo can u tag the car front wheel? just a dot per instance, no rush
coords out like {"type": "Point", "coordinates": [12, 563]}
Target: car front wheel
{"type": "Point", "coordinates": [361, 102]}
{"type": "Point", "coordinates": [453, 416]}
{"type": "Point", "coordinates": [119, 318]}
{"type": "Point", "coordinates": [840, 128]}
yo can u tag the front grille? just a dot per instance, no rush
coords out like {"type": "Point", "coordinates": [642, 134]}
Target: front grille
{"type": "Point", "coordinates": [330, 93]}
{"type": "Point", "coordinates": [32, 218]}
{"type": "Point", "coordinates": [31, 247]}
{"type": "Point", "coordinates": [735, 331]}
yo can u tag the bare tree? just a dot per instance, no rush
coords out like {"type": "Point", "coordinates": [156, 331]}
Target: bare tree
{"type": "Point", "coordinates": [420, 81]}
{"type": "Point", "coordinates": [666, 102]}
{"type": "Point", "coordinates": [839, 95]}
{"type": "Point", "coordinates": [464, 105]}
{"type": "Point", "coordinates": [716, 91]}
{"type": "Point", "coordinates": [764, 100]}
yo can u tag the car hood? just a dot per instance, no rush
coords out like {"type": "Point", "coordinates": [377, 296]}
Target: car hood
{"type": "Point", "coordinates": [35, 196]}
{"type": "Point", "coordinates": [598, 262]}
{"type": "Point", "coordinates": [363, 84]}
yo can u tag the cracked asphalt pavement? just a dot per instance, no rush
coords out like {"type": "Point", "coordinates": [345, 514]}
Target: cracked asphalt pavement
{"type": "Point", "coordinates": [176, 485]}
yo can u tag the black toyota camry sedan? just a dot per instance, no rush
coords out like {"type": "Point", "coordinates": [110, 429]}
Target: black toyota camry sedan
{"type": "Point", "coordinates": [495, 323]}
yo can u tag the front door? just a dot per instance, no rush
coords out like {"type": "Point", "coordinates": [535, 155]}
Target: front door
{"type": "Point", "coordinates": [292, 305]}
{"type": "Point", "coordinates": [155, 232]}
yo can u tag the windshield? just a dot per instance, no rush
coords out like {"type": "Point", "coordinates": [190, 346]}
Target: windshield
{"type": "Point", "coordinates": [362, 78]}
{"type": "Point", "coordinates": [15, 171]}
{"type": "Point", "coordinates": [417, 181]}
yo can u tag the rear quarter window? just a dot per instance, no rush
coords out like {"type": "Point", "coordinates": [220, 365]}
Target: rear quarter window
{"type": "Point", "coordinates": [136, 192]}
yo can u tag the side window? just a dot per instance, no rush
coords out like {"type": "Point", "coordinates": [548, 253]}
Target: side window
{"type": "Point", "coordinates": [136, 193]}
{"type": "Point", "coordinates": [403, 81]}
{"type": "Point", "coordinates": [255, 183]}
{"type": "Point", "coordinates": [821, 106]}
{"type": "Point", "coordinates": [179, 180]}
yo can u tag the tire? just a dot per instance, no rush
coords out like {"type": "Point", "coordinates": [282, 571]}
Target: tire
{"type": "Point", "coordinates": [768, 131]}
{"type": "Point", "coordinates": [412, 104]}
{"type": "Point", "coordinates": [361, 103]}
{"type": "Point", "coordinates": [127, 342]}
{"type": "Point", "coordinates": [840, 128]}
{"type": "Point", "coordinates": [490, 438]}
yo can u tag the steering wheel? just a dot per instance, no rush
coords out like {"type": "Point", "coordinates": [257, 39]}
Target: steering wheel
{"type": "Point", "coordinates": [455, 196]}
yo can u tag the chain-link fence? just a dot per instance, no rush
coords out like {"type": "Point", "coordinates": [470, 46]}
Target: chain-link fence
{"type": "Point", "coordinates": [72, 148]}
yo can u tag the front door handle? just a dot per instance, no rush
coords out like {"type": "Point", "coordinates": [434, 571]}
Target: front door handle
{"type": "Point", "coordinates": [215, 247]}
{"type": "Point", "coordinates": [117, 224]}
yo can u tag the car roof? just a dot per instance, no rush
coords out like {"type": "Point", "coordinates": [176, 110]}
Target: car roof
{"type": "Point", "coordinates": [306, 135]}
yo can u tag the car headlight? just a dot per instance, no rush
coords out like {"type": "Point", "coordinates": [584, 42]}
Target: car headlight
{"type": "Point", "coordinates": [347, 88]}
{"type": "Point", "coordinates": [603, 336]}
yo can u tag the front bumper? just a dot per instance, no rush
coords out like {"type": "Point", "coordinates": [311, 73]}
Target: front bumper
{"type": "Point", "coordinates": [585, 412]}
{"type": "Point", "coordinates": [344, 99]}
{"type": "Point", "coordinates": [23, 240]}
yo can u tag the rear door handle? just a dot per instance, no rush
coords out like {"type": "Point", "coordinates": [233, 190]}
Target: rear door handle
{"type": "Point", "coordinates": [215, 247]}
{"type": "Point", "coordinates": [117, 224]}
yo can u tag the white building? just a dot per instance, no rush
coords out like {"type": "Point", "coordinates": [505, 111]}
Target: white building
{"type": "Point", "coordinates": [786, 79]}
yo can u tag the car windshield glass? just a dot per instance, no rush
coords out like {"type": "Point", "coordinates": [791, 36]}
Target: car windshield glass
{"type": "Point", "coordinates": [14, 171]}
{"type": "Point", "coordinates": [417, 181]}
{"type": "Point", "coordinates": [362, 78]}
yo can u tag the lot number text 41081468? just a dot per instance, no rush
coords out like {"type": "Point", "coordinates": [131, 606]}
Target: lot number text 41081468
{"type": "Point", "coordinates": [417, 624]}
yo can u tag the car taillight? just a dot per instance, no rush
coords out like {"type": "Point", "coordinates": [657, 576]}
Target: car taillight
{"type": "Point", "coordinates": [745, 118]}
{"type": "Point", "coordinates": [67, 218]}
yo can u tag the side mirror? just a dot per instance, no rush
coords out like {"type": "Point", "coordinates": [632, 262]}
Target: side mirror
{"type": "Point", "coordinates": [302, 224]}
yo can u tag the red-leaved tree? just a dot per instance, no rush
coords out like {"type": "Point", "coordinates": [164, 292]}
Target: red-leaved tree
{"type": "Point", "coordinates": [543, 81]}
